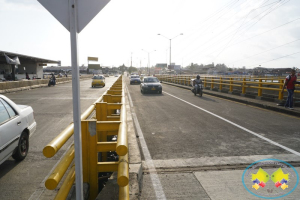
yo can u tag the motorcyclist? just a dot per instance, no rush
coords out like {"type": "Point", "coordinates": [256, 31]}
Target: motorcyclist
{"type": "Point", "coordinates": [197, 81]}
{"type": "Point", "coordinates": [53, 78]}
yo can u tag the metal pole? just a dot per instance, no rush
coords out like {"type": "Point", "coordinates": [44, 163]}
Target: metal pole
{"type": "Point", "coordinates": [148, 64]}
{"type": "Point", "coordinates": [76, 100]}
{"type": "Point", "coordinates": [170, 52]}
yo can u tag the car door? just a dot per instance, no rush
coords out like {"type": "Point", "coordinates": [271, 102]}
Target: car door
{"type": "Point", "coordinates": [10, 129]}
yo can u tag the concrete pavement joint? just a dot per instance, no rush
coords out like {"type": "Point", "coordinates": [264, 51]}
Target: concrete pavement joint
{"type": "Point", "coordinates": [238, 126]}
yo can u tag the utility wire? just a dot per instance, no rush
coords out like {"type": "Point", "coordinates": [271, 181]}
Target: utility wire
{"type": "Point", "coordinates": [275, 59]}
{"type": "Point", "coordinates": [209, 40]}
{"type": "Point", "coordinates": [248, 28]}
{"type": "Point", "coordinates": [225, 37]}
{"type": "Point", "coordinates": [212, 23]}
{"type": "Point", "coordinates": [265, 51]}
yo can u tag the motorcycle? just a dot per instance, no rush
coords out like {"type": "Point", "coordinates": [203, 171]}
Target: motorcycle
{"type": "Point", "coordinates": [51, 82]}
{"type": "Point", "coordinates": [198, 89]}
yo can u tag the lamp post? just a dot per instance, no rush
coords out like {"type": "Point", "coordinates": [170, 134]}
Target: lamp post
{"type": "Point", "coordinates": [170, 42]}
{"type": "Point", "coordinates": [148, 60]}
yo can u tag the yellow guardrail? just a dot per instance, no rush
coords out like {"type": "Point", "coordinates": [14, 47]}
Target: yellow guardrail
{"type": "Point", "coordinates": [95, 133]}
{"type": "Point", "coordinates": [231, 82]}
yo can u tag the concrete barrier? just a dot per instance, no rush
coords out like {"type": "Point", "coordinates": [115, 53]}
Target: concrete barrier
{"type": "Point", "coordinates": [13, 86]}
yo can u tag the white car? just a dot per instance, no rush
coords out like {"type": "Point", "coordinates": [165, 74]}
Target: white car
{"type": "Point", "coordinates": [17, 123]}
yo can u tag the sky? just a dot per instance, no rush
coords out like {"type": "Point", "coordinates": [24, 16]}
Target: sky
{"type": "Point", "coordinates": [237, 33]}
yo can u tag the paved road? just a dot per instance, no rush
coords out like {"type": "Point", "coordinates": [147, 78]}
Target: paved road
{"type": "Point", "coordinates": [53, 112]}
{"type": "Point", "coordinates": [184, 133]}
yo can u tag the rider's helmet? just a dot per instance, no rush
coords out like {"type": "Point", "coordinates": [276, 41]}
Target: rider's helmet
{"type": "Point", "coordinates": [198, 76]}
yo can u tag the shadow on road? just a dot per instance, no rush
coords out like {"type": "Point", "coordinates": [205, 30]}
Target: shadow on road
{"type": "Point", "coordinates": [7, 166]}
{"type": "Point", "coordinates": [207, 99]}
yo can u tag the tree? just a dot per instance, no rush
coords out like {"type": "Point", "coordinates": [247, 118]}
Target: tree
{"type": "Point", "coordinates": [122, 68]}
{"type": "Point", "coordinates": [132, 69]}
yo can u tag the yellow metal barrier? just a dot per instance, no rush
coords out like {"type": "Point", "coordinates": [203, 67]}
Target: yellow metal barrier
{"type": "Point", "coordinates": [234, 81]}
{"type": "Point", "coordinates": [95, 132]}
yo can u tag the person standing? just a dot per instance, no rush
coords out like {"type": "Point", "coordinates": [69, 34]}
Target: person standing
{"type": "Point", "coordinates": [27, 76]}
{"type": "Point", "coordinates": [289, 83]}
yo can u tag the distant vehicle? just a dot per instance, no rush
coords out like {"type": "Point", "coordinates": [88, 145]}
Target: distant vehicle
{"type": "Point", "coordinates": [151, 84]}
{"type": "Point", "coordinates": [17, 123]}
{"type": "Point", "coordinates": [98, 80]}
{"type": "Point", "coordinates": [106, 75]}
{"type": "Point", "coordinates": [134, 79]}
{"type": "Point", "coordinates": [116, 75]}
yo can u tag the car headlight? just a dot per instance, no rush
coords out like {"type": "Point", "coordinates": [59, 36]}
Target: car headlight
{"type": "Point", "coordinates": [145, 85]}
{"type": "Point", "coordinates": [159, 86]}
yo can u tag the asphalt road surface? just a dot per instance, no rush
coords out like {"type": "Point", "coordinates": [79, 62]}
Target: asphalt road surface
{"type": "Point", "coordinates": [180, 133]}
{"type": "Point", "coordinates": [53, 112]}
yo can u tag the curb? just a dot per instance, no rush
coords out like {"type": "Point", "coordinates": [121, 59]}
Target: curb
{"type": "Point", "coordinates": [135, 161]}
{"type": "Point", "coordinates": [245, 100]}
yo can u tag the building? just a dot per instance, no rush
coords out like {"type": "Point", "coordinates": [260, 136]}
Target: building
{"type": "Point", "coordinates": [32, 65]}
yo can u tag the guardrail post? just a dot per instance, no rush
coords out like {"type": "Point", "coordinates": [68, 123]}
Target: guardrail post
{"type": "Point", "coordinates": [205, 81]}
{"type": "Point", "coordinates": [212, 83]}
{"type": "Point", "coordinates": [220, 86]}
{"type": "Point", "coordinates": [280, 95]}
{"type": "Point", "coordinates": [230, 86]}
{"type": "Point", "coordinates": [107, 98]}
{"type": "Point", "coordinates": [244, 87]}
{"type": "Point", "coordinates": [259, 93]}
{"type": "Point", "coordinates": [90, 155]}
{"type": "Point", "coordinates": [101, 115]}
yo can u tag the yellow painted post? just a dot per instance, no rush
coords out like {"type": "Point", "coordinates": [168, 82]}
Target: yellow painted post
{"type": "Point", "coordinates": [90, 155]}
{"type": "Point", "coordinates": [212, 83]}
{"type": "Point", "coordinates": [231, 87]}
{"type": "Point", "coordinates": [101, 115]}
{"type": "Point", "coordinates": [205, 81]}
{"type": "Point", "coordinates": [107, 98]}
{"type": "Point", "coordinates": [280, 95]}
{"type": "Point", "coordinates": [101, 111]}
{"type": "Point", "coordinates": [85, 152]}
{"type": "Point", "coordinates": [243, 86]}
{"type": "Point", "coordinates": [220, 86]}
{"type": "Point", "coordinates": [259, 93]}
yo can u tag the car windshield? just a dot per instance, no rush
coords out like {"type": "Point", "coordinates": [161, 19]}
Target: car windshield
{"type": "Point", "coordinates": [151, 80]}
{"type": "Point", "coordinates": [135, 77]}
{"type": "Point", "coordinates": [98, 77]}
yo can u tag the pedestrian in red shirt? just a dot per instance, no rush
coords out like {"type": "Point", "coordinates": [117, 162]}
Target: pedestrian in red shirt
{"type": "Point", "coordinates": [290, 82]}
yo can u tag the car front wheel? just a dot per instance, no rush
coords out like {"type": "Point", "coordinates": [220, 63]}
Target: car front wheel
{"type": "Point", "coordinates": [22, 148]}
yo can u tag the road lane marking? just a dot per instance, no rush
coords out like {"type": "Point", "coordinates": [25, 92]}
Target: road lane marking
{"type": "Point", "coordinates": [153, 174]}
{"type": "Point", "coordinates": [238, 126]}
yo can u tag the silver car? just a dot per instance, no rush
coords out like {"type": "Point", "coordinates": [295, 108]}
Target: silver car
{"type": "Point", "coordinates": [17, 123]}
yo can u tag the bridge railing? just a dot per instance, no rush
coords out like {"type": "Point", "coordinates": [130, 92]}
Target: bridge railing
{"type": "Point", "coordinates": [259, 84]}
{"type": "Point", "coordinates": [108, 120]}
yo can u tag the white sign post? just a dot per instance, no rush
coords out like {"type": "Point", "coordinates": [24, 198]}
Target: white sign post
{"type": "Point", "coordinates": [74, 15]}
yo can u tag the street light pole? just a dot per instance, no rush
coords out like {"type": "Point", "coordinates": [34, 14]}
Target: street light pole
{"type": "Point", "coordinates": [170, 43]}
{"type": "Point", "coordinates": [148, 60]}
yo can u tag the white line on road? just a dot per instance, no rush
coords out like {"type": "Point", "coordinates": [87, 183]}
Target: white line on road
{"type": "Point", "coordinates": [234, 124]}
{"type": "Point", "coordinates": [153, 174]}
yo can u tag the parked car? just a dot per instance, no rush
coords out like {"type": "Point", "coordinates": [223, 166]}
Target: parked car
{"type": "Point", "coordinates": [151, 84]}
{"type": "Point", "coordinates": [17, 123]}
{"type": "Point", "coordinates": [135, 79]}
{"type": "Point", "coordinates": [98, 80]}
